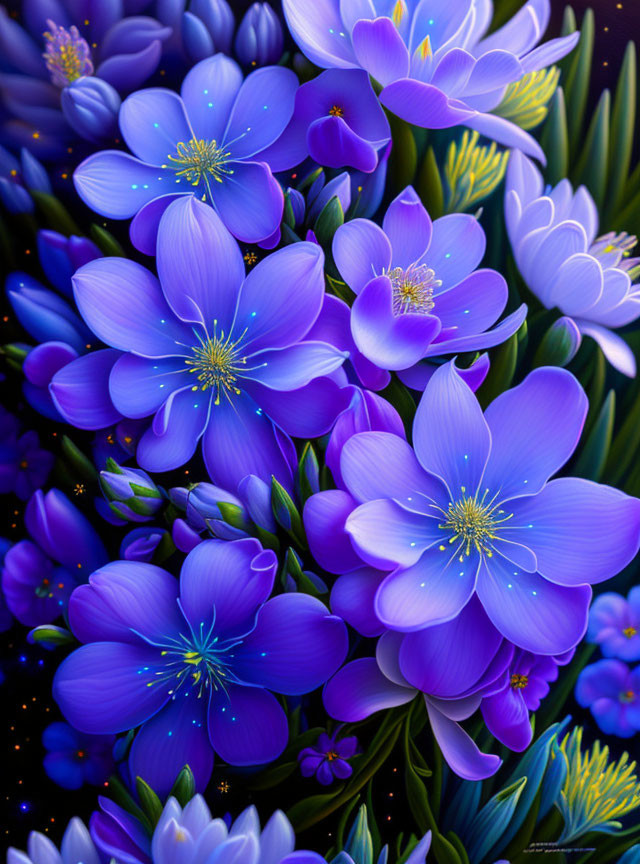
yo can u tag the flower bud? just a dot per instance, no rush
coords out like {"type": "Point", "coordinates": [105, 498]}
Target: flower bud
{"type": "Point", "coordinates": [131, 493]}
{"type": "Point", "coordinates": [91, 106]}
{"type": "Point", "coordinates": [217, 17]}
{"type": "Point", "coordinates": [559, 344]}
{"type": "Point", "coordinates": [15, 197]}
{"type": "Point", "coordinates": [43, 314]}
{"type": "Point", "coordinates": [61, 256]}
{"type": "Point", "coordinates": [259, 39]}
{"type": "Point", "coordinates": [34, 174]}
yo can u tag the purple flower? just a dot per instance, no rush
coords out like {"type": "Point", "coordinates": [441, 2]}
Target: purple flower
{"type": "Point", "coordinates": [141, 544]}
{"type": "Point", "coordinates": [470, 510]}
{"type": "Point", "coordinates": [337, 120]}
{"type": "Point", "coordinates": [210, 353]}
{"type": "Point", "coordinates": [614, 624]}
{"type": "Point", "coordinates": [74, 759]}
{"type": "Point", "coordinates": [454, 665]}
{"type": "Point", "coordinates": [329, 758]}
{"type": "Point", "coordinates": [553, 237]}
{"type": "Point", "coordinates": [506, 712]}
{"type": "Point", "coordinates": [436, 66]}
{"type": "Point", "coordinates": [194, 663]}
{"type": "Point", "coordinates": [259, 39]}
{"type": "Point", "coordinates": [131, 493]}
{"type": "Point", "coordinates": [419, 295]}
{"type": "Point", "coordinates": [611, 691]}
{"type": "Point", "coordinates": [24, 465]}
{"type": "Point", "coordinates": [38, 576]}
{"type": "Point", "coordinates": [207, 142]}
{"type": "Point", "coordinates": [66, 55]}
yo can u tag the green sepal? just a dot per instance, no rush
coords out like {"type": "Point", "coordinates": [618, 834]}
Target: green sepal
{"type": "Point", "coordinates": [119, 793]}
{"type": "Point", "coordinates": [145, 491]}
{"type": "Point", "coordinates": [594, 453]}
{"type": "Point", "coordinates": [267, 539]}
{"type": "Point", "coordinates": [106, 242]}
{"type": "Point", "coordinates": [286, 512]}
{"type": "Point", "coordinates": [16, 352]}
{"type": "Point", "coordinates": [359, 843]}
{"type": "Point", "coordinates": [184, 788]}
{"type": "Point", "coordinates": [149, 801]}
{"type": "Point", "coordinates": [429, 185]}
{"type": "Point", "coordinates": [288, 217]}
{"type": "Point", "coordinates": [78, 461]}
{"type": "Point", "coordinates": [232, 514]}
{"type": "Point", "coordinates": [341, 290]}
{"type": "Point", "coordinates": [308, 473]}
{"type": "Point", "coordinates": [330, 218]}
{"type": "Point", "coordinates": [55, 213]}
{"type": "Point", "coordinates": [303, 583]}
{"type": "Point", "coordinates": [112, 466]}
{"type": "Point", "coordinates": [490, 823]}
{"type": "Point", "coordinates": [51, 636]}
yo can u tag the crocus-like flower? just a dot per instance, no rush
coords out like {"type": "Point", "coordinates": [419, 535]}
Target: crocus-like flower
{"type": "Point", "coordinates": [611, 691]}
{"type": "Point", "coordinates": [209, 352]}
{"type": "Point", "coordinates": [76, 846]}
{"type": "Point", "coordinates": [74, 759]}
{"type": "Point", "coordinates": [553, 237]}
{"type": "Point", "coordinates": [434, 63]}
{"type": "Point", "coordinates": [328, 759]}
{"type": "Point", "coordinates": [78, 38]}
{"type": "Point", "coordinates": [506, 712]}
{"type": "Point", "coordinates": [38, 576]}
{"type": "Point", "coordinates": [196, 671]}
{"type": "Point", "coordinates": [419, 293]}
{"type": "Point", "coordinates": [337, 121]}
{"type": "Point", "coordinates": [206, 142]}
{"type": "Point", "coordinates": [454, 665]}
{"type": "Point", "coordinates": [470, 510]}
{"type": "Point", "coordinates": [597, 792]}
{"type": "Point", "coordinates": [259, 39]}
{"type": "Point", "coordinates": [206, 28]}
{"type": "Point", "coordinates": [614, 624]}
{"type": "Point", "coordinates": [24, 465]}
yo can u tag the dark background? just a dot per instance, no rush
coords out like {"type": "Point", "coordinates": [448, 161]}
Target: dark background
{"type": "Point", "coordinates": [28, 799]}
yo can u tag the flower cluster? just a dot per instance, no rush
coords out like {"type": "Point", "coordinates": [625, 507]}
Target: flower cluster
{"type": "Point", "coordinates": [313, 473]}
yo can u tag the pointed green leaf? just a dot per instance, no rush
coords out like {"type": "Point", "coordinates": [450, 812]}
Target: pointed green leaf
{"type": "Point", "coordinates": [622, 130]}
{"type": "Point", "coordinates": [501, 372]}
{"type": "Point", "coordinates": [625, 445]}
{"type": "Point", "coordinates": [576, 85]}
{"type": "Point", "coordinates": [555, 139]}
{"type": "Point", "coordinates": [429, 185]}
{"type": "Point", "coordinates": [150, 802]}
{"type": "Point", "coordinates": [55, 213]}
{"type": "Point", "coordinates": [77, 460]}
{"type": "Point", "coordinates": [595, 451]}
{"type": "Point", "coordinates": [594, 159]}
{"type": "Point", "coordinates": [404, 155]}
{"type": "Point", "coordinates": [106, 242]}
{"type": "Point", "coordinates": [184, 788]}
{"type": "Point", "coordinates": [330, 218]}
{"type": "Point", "coordinates": [359, 844]}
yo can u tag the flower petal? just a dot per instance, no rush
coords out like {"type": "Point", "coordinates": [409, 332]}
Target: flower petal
{"type": "Point", "coordinates": [457, 247]}
{"type": "Point", "coordinates": [152, 122]}
{"type": "Point", "coordinates": [199, 264]}
{"type": "Point", "coordinates": [385, 534]}
{"type": "Point", "coordinates": [423, 104]}
{"type": "Point", "coordinates": [139, 385]}
{"type": "Point", "coordinates": [360, 689]}
{"type": "Point", "coordinates": [209, 91]}
{"type": "Point", "coordinates": [247, 726]}
{"type": "Point", "coordinates": [307, 412]}
{"type": "Point", "coordinates": [171, 441]}
{"type": "Point", "coordinates": [117, 185]}
{"type": "Point", "coordinates": [361, 251]}
{"type": "Point", "coordinates": [614, 348]}
{"type": "Point", "coordinates": [518, 604]}
{"type": "Point", "coordinates": [408, 227]}
{"type": "Point", "coordinates": [80, 390]}
{"type": "Point", "coordinates": [332, 142]}
{"type": "Point", "coordinates": [459, 749]}
{"type": "Point", "coordinates": [296, 646]}
{"type": "Point", "coordinates": [99, 690]}
{"type": "Point", "coordinates": [324, 516]}
{"type": "Point", "coordinates": [380, 50]}
{"type": "Point", "coordinates": [352, 597]}
{"type": "Point", "coordinates": [250, 201]}
{"type": "Point", "coordinates": [319, 31]}
{"type": "Point", "coordinates": [473, 305]}
{"type": "Point", "coordinates": [296, 366]}
{"type": "Point", "coordinates": [580, 532]}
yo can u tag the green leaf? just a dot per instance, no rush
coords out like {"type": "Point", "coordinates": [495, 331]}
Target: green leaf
{"type": "Point", "coordinates": [308, 472]}
{"type": "Point", "coordinates": [576, 86]}
{"type": "Point", "coordinates": [429, 185]}
{"type": "Point", "coordinates": [625, 445]}
{"type": "Point", "coordinates": [119, 793]}
{"type": "Point", "coordinates": [106, 242]}
{"type": "Point", "coordinates": [150, 802]}
{"type": "Point", "coordinates": [232, 514]}
{"type": "Point", "coordinates": [404, 155]}
{"type": "Point", "coordinates": [359, 844]}
{"type": "Point", "coordinates": [184, 788]}
{"type": "Point", "coordinates": [555, 139]}
{"type": "Point", "coordinates": [402, 400]}
{"type": "Point", "coordinates": [595, 451]}
{"type": "Point", "coordinates": [55, 213]}
{"type": "Point", "coordinates": [622, 131]}
{"type": "Point", "coordinates": [286, 513]}
{"type": "Point", "coordinates": [503, 368]}
{"type": "Point", "coordinates": [592, 165]}
{"type": "Point", "coordinates": [490, 823]}
{"type": "Point", "coordinates": [78, 461]}
{"type": "Point", "coordinates": [330, 218]}
{"type": "Point", "coordinates": [51, 636]}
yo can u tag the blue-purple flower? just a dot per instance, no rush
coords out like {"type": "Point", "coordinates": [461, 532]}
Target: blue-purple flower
{"type": "Point", "coordinates": [259, 39]}
{"type": "Point", "coordinates": [193, 663]}
{"type": "Point", "coordinates": [553, 235]}
{"type": "Point", "coordinates": [419, 294]}
{"type": "Point", "coordinates": [436, 66]}
{"type": "Point", "coordinates": [471, 510]}
{"type": "Point", "coordinates": [329, 758]}
{"type": "Point", "coordinates": [207, 142]}
{"type": "Point", "coordinates": [74, 759]}
{"type": "Point", "coordinates": [211, 353]}
{"type": "Point", "coordinates": [611, 691]}
{"type": "Point", "coordinates": [614, 624]}
{"type": "Point", "coordinates": [337, 120]}
{"type": "Point", "coordinates": [506, 712]}
{"type": "Point", "coordinates": [24, 465]}
{"type": "Point", "coordinates": [454, 665]}
{"type": "Point", "coordinates": [38, 575]}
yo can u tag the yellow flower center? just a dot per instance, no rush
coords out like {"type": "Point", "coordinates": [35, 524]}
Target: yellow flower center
{"type": "Point", "coordinates": [519, 682]}
{"type": "Point", "coordinates": [198, 159]}
{"type": "Point", "coordinates": [217, 363]}
{"type": "Point", "coordinates": [629, 632]}
{"type": "Point", "coordinates": [336, 111]}
{"type": "Point", "coordinates": [413, 288]}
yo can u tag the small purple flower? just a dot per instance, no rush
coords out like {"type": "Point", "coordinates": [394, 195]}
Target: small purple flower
{"type": "Point", "coordinates": [131, 493]}
{"type": "Point", "coordinates": [211, 353]}
{"type": "Point", "coordinates": [419, 294]}
{"type": "Point", "coordinates": [74, 759]}
{"type": "Point", "coordinates": [193, 663]}
{"type": "Point", "coordinates": [472, 510]}
{"type": "Point", "coordinates": [614, 624]}
{"type": "Point", "coordinates": [436, 66]}
{"type": "Point", "coordinates": [506, 713]}
{"type": "Point", "coordinates": [553, 237]}
{"type": "Point", "coordinates": [24, 465]}
{"type": "Point", "coordinates": [329, 758]}
{"type": "Point", "coordinates": [611, 691]}
{"type": "Point", "coordinates": [38, 576]}
{"type": "Point", "coordinates": [337, 120]}
{"type": "Point", "coordinates": [205, 143]}
{"type": "Point", "coordinates": [454, 665]}
{"type": "Point", "coordinates": [67, 55]}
